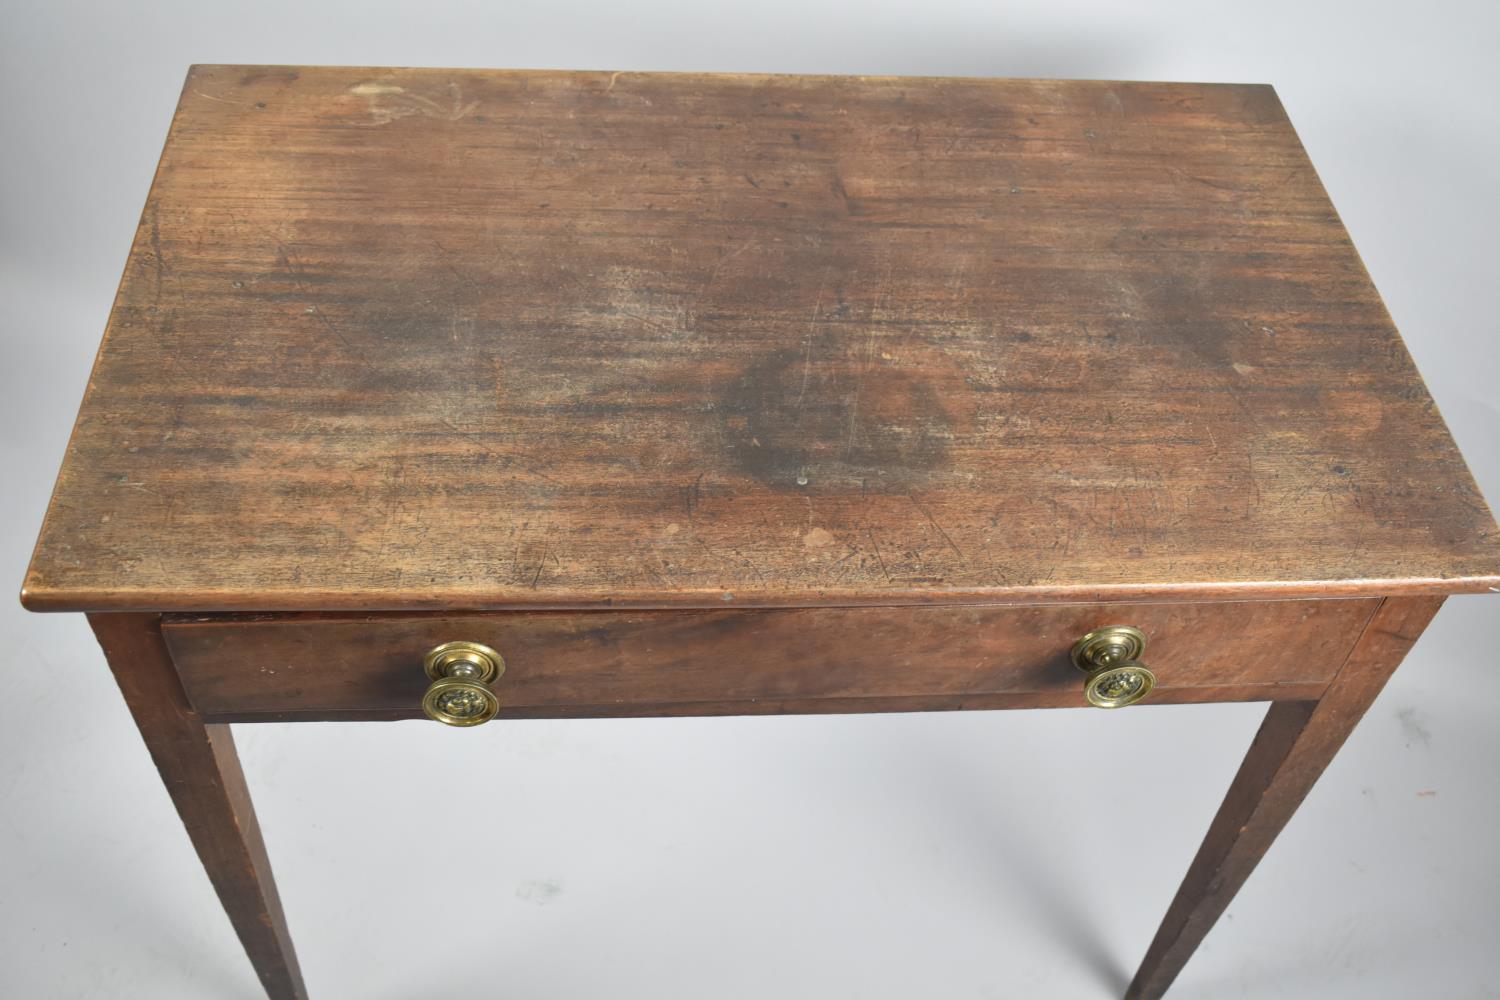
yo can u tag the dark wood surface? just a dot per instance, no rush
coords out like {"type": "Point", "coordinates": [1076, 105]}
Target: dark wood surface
{"type": "Point", "coordinates": [676, 662]}
{"type": "Point", "coordinates": [477, 339]}
{"type": "Point", "coordinates": [1294, 745]}
{"type": "Point", "coordinates": [201, 771]}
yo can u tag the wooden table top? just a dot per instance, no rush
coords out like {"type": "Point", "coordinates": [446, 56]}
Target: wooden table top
{"type": "Point", "coordinates": [480, 339]}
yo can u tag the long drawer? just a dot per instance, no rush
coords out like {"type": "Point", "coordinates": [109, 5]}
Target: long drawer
{"type": "Point", "coordinates": [563, 663]}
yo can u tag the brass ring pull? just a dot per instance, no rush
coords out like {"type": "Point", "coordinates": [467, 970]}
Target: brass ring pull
{"type": "Point", "coordinates": [1111, 658]}
{"type": "Point", "coordinates": [461, 672]}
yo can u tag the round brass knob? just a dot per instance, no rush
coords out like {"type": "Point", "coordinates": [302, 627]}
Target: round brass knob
{"type": "Point", "coordinates": [1111, 658]}
{"type": "Point", "coordinates": [461, 672]}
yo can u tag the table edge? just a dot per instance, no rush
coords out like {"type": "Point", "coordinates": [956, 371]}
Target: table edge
{"type": "Point", "coordinates": [45, 599]}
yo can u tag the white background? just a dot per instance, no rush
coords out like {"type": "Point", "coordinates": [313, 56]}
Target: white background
{"type": "Point", "coordinates": [1021, 854]}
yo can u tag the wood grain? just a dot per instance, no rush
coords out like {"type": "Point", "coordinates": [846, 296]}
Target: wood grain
{"type": "Point", "coordinates": [1294, 745]}
{"type": "Point", "coordinates": [201, 771]}
{"type": "Point", "coordinates": [479, 339]}
{"type": "Point", "coordinates": [623, 662]}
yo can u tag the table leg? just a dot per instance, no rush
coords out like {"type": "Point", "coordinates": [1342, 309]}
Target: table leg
{"type": "Point", "coordinates": [199, 766]}
{"type": "Point", "coordinates": [1294, 745]}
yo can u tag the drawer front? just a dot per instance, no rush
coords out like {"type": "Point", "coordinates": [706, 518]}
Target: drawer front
{"type": "Point", "coordinates": [755, 661]}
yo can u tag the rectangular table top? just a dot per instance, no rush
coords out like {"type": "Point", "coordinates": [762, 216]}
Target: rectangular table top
{"type": "Point", "coordinates": [484, 339]}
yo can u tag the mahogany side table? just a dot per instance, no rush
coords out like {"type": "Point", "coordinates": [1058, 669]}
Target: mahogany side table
{"type": "Point", "coordinates": [479, 394]}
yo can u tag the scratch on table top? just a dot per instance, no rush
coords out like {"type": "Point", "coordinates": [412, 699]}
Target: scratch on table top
{"type": "Point", "coordinates": [389, 102]}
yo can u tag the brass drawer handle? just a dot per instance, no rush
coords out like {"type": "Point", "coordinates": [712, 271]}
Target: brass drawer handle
{"type": "Point", "coordinates": [461, 672]}
{"type": "Point", "coordinates": [1111, 658]}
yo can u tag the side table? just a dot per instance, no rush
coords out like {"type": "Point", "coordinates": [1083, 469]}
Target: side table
{"type": "Point", "coordinates": [476, 395]}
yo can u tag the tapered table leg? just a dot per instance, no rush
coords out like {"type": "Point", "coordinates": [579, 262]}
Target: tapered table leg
{"type": "Point", "coordinates": [202, 772]}
{"type": "Point", "coordinates": [1294, 745]}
